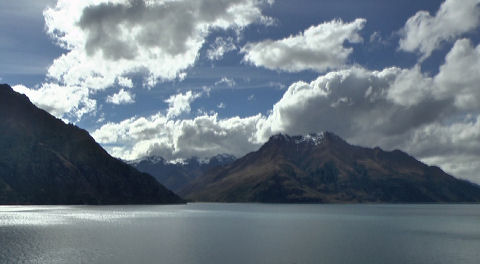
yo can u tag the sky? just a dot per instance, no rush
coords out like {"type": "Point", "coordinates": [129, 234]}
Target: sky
{"type": "Point", "coordinates": [195, 78]}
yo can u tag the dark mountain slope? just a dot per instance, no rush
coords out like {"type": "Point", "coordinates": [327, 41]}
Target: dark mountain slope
{"type": "Point", "coordinates": [325, 168]}
{"type": "Point", "coordinates": [45, 161]}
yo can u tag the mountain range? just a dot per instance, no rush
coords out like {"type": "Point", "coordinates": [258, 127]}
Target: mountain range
{"type": "Point", "coordinates": [176, 176]}
{"type": "Point", "coordinates": [324, 168]}
{"type": "Point", "coordinates": [45, 161]}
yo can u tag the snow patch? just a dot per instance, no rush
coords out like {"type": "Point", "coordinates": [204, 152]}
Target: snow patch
{"type": "Point", "coordinates": [314, 139]}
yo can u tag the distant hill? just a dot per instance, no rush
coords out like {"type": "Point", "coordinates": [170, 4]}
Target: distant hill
{"type": "Point", "coordinates": [324, 168]}
{"type": "Point", "coordinates": [176, 176]}
{"type": "Point", "coordinates": [45, 161]}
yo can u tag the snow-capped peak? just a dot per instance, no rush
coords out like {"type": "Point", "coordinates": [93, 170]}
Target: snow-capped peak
{"type": "Point", "coordinates": [219, 158]}
{"type": "Point", "coordinates": [151, 159]}
{"type": "Point", "coordinates": [315, 139]}
{"type": "Point", "coordinates": [223, 157]}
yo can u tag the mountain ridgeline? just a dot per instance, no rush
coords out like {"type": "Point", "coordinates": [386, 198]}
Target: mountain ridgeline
{"type": "Point", "coordinates": [324, 168]}
{"type": "Point", "coordinates": [176, 176]}
{"type": "Point", "coordinates": [45, 161]}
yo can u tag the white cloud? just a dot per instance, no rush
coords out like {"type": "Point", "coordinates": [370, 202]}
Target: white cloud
{"type": "Point", "coordinates": [203, 136]}
{"type": "Point", "coordinates": [180, 103]}
{"type": "Point", "coordinates": [125, 82]}
{"type": "Point", "coordinates": [425, 33]}
{"type": "Point", "coordinates": [70, 102]}
{"type": "Point", "coordinates": [122, 97]}
{"type": "Point", "coordinates": [457, 80]}
{"type": "Point", "coordinates": [108, 40]}
{"type": "Point", "coordinates": [318, 48]}
{"type": "Point", "coordinates": [251, 97]}
{"type": "Point", "coordinates": [229, 82]}
{"type": "Point", "coordinates": [221, 105]}
{"type": "Point", "coordinates": [411, 87]}
{"type": "Point", "coordinates": [459, 77]}
{"type": "Point", "coordinates": [350, 102]}
{"type": "Point", "coordinates": [371, 106]}
{"type": "Point", "coordinates": [220, 47]}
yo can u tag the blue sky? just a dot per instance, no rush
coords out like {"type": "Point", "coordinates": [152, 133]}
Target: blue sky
{"type": "Point", "coordinates": [197, 78]}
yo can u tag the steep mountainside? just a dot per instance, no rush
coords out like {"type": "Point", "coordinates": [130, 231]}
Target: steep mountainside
{"type": "Point", "coordinates": [45, 161]}
{"type": "Point", "coordinates": [176, 176]}
{"type": "Point", "coordinates": [325, 168]}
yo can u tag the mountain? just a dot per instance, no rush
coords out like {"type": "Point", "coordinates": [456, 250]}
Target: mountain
{"type": "Point", "coordinates": [176, 176]}
{"type": "Point", "coordinates": [323, 168]}
{"type": "Point", "coordinates": [45, 161]}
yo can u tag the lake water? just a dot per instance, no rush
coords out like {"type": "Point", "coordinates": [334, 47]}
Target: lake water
{"type": "Point", "coordinates": [241, 233]}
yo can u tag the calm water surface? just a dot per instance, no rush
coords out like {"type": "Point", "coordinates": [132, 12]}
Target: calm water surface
{"type": "Point", "coordinates": [241, 233]}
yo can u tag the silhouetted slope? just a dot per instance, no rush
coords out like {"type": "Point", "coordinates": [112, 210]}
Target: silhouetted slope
{"type": "Point", "coordinates": [45, 161]}
{"type": "Point", "coordinates": [325, 168]}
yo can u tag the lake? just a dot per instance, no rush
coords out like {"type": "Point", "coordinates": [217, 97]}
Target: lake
{"type": "Point", "coordinates": [241, 233]}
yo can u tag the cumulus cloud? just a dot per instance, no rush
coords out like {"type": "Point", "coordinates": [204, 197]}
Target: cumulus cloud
{"type": "Point", "coordinates": [382, 104]}
{"type": "Point", "coordinates": [203, 136]}
{"type": "Point", "coordinates": [106, 41]}
{"type": "Point", "coordinates": [180, 103]}
{"type": "Point", "coordinates": [411, 87]}
{"type": "Point", "coordinates": [220, 47]}
{"type": "Point", "coordinates": [459, 77]}
{"type": "Point", "coordinates": [354, 103]}
{"type": "Point", "coordinates": [318, 48]}
{"type": "Point", "coordinates": [119, 37]}
{"type": "Point", "coordinates": [424, 33]}
{"type": "Point", "coordinates": [69, 102]}
{"type": "Point", "coordinates": [122, 97]}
